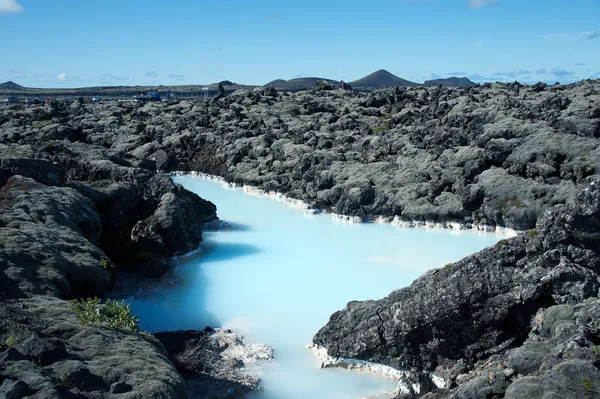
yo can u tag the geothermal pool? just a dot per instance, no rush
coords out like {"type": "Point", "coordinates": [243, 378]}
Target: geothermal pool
{"type": "Point", "coordinates": [278, 275]}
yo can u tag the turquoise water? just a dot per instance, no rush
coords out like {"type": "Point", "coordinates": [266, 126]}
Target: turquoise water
{"type": "Point", "coordinates": [278, 275]}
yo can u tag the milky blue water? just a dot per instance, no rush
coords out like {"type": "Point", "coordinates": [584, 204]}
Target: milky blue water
{"type": "Point", "coordinates": [279, 274]}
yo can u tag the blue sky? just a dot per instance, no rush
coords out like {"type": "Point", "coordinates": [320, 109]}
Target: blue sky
{"type": "Point", "coordinates": [72, 43]}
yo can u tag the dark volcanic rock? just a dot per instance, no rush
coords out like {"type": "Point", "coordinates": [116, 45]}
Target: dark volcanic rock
{"type": "Point", "coordinates": [497, 154]}
{"type": "Point", "coordinates": [479, 308]}
{"type": "Point", "coordinates": [66, 359]}
{"type": "Point", "coordinates": [212, 362]}
{"type": "Point", "coordinates": [47, 236]}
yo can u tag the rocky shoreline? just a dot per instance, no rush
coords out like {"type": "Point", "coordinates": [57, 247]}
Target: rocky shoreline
{"type": "Point", "coordinates": [507, 321]}
{"type": "Point", "coordinates": [310, 209]}
{"type": "Point", "coordinates": [83, 198]}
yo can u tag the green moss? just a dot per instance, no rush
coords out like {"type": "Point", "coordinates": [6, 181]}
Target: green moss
{"type": "Point", "coordinates": [512, 203]}
{"type": "Point", "coordinates": [38, 124]}
{"type": "Point", "coordinates": [387, 116]}
{"type": "Point", "coordinates": [539, 373]}
{"type": "Point", "coordinates": [10, 341]}
{"type": "Point", "coordinates": [103, 263]}
{"type": "Point", "coordinates": [384, 127]}
{"type": "Point", "coordinates": [115, 314]}
{"type": "Point", "coordinates": [447, 267]}
{"type": "Point", "coordinates": [126, 117]}
{"type": "Point", "coordinates": [533, 233]}
{"type": "Point", "coordinates": [501, 243]}
{"type": "Point", "coordinates": [586, 383]}
{"type": "Point", "coordinates": [597, 349]}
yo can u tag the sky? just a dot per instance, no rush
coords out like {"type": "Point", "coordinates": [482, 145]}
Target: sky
{"type": "Point", "coordinates": [75, 43]}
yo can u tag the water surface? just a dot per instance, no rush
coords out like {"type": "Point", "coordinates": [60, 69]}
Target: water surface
{"type": "Point", "coordinates": [279, 274]}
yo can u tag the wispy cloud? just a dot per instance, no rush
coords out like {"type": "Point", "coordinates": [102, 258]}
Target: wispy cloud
{"type": "Point", "coordinates": [561, 73]}
{"type": "Point", "coordinates": [111, 77]}
{"type": "Point", "coordinates": [594, 35]}
{"type": "Point", "coordinates": [151, 74]}
{"type": "Point", "coordinates": [476, 77]}
{"type": "Point", "coordinates": [567, 36]}
{"type": "Point", "coordinates": [177, 76]}
{"type": "Point", "coordinates": [456, 73]}
{"type": "Point", "coordinates": [514, 73]}
{"type": "Point", "coordinates": [479, 44]}
{"type": "Point", "coordinates": [62, 77]}
{"type": "Point", "coordinates": [580, 64]}
{"type": "Point", "coordinates": [480, 3]}
{"type": "Point", "coordinates": [7, 6]}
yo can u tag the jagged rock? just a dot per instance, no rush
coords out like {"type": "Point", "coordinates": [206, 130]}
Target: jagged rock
{"type": "Point", "coordinates": [345, 86]}
{"type": "Point", "coordinates": [214, 355]}
{"type": "Point", "coordinates": [68, 359]}
{"type": "Point", "coordinates": [14, 389]}
{"type": "Point", "coordinates": [487, 305]}
{"type": "Point", "coordinates": [42, 350]}
{"type": "Point", "coordinates": [524, 148]}
{"type": "Point", "coordinates": [47, 236]}
{"type": "Point", "coordinates": [11, 355]}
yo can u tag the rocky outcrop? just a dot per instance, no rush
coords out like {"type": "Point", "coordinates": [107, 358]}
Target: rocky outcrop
{"type": "Point", "coordinates": [47, 353]}
{"type": "Point", "coordinates": [47, 237]}
{"type": "Point", "coordinates": [523, 308]}
{"type": "Point", "coordinates": [73, 213]}
{"type": "Point", "coordinates": [145, 218]}
{"type": "Point", "coordinates": [213, 361]}
{"type": "Point", "coordinates": [497, 154]}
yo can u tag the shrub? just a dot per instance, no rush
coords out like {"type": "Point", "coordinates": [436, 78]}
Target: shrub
{"type": "Point", "coordinates": [10, 341]}
{"type": "Point", "coordinates": [587, 384]}
{"type": "Point", "coordinates": [38, 124]}
{"type": "Point", "coordinates": [103, 263]}
{"type": "Point", "coordinates": [447, 267]}
{"type": "Point", "coordinates": [501, 243]}
{"type": "Point", "coordinates": [380, 128]}
{"type": "Point", "coordinates": [533, 233]}
{"type": "Point", "coordinates": [512, 203]}
{"type": "Point", "coordinates": [114, 314]}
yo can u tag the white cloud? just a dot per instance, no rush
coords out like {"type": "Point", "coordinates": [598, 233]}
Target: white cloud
{"type": "Point", "coordinates": [479, 44]}
{"type": "Point", "coordinates": [480, 3]}
{"type": "Point", "coordinates": [62, 77]}
{"type": "Point", "coordinates": [10, 6]}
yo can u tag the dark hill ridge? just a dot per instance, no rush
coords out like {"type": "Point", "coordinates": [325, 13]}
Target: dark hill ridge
{"type": "Point", "coordinates": [450, 82]}
{"type": "Point", "coordinates": [381, 79]}
{"type": "Point", "coordinates": [10, 85]}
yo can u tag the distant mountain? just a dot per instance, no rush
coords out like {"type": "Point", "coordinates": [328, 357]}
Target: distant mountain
{"type": "Point", "coordinates": [299, 83]}
{"type": "Point", "coordinates": [10, 86]}
{"type": "Point", "coordinates": [381, 79]}
{"type": "Point", "coordinates": [451, 82]}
